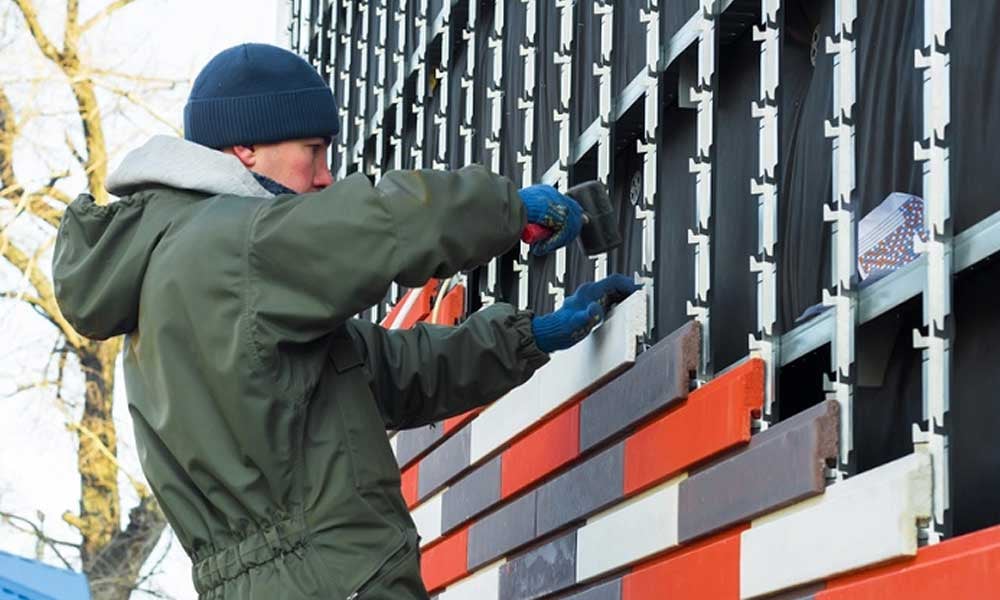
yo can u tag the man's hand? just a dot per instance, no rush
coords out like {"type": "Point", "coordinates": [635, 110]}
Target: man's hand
{"type": "Point", "coordinates": [554, 211]}
{"type": "Point", "coordinates": [580, 313]}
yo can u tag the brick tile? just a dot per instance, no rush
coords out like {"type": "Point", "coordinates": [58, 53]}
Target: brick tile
{"type": "Point", "coordinates": [962, 568]}
{"type": "Point", "coordinates": [540, 452]}
{"type": "Point", "coordinates": [659, 378]}
{"type": "Point", "coordinates": [780, 466]}
{"type": "Point", "coordinates": [453, 423]}
{"type": "Point", "coordinates": [414, 442]}
{"type": "Point", "coordinates": [716, 417]}
{"type": "Point", "coordinates": [408, 484]}
{"type": "Point", "coordinates": [874, 515]}
{"type": "Point", "coordinates": [498, 533]}
{"type": "Point", "coordinates": [472, 494]}
{"type": "Point", "coordinates": [445, 562]}
{"type": "Point", "coordinates": [444, 462]}
{"type": "Point", "coordinates": [706, 571]}
{"type": "Point", "coordinates": [581, 491]}
{"type": "Point", "coordinates": [609, 590]}
{"type": "Point", "coordinates": [543, 570]}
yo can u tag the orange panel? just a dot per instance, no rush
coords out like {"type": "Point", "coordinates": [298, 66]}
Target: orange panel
{"type": "Point", "coordinates": [417, 311]}
{"type": "Point", "coordinates": [961, 568]}
{"type": "Point", "coordinates": [708, 570]}
{"type": "Point", "coordinates": [422, 307]}
{"type": "Point", "coordinates": [446, 562]}
{"type": "Point", "coordinates": [714, 418]}
{"type": "Point", "coordinates": [452, 307]}
{"type": "Point", "coordinates": [540, 452]}
{"type": "Point", "coordinates": [408, 477]}
{"type": "Point", "coordinates": [453, 423]}
{"type": "Point", "coordinates": [394, 311]}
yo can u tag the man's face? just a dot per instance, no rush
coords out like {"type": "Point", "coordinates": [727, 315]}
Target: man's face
{"type": "Point", "coordinates": [300, 165]}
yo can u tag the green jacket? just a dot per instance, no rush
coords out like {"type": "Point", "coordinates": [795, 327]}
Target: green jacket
{"type": "Point", "coordinates": [260, 405]}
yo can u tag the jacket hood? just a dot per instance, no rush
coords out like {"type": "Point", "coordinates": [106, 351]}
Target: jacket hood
{"type": "Point", "coordinates": [102, 252]}
{"type": "Point", "coordinates": [166, 161]}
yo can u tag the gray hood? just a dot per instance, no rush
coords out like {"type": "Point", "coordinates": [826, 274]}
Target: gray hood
{"type": "Point", "coordinates": [177, 163]}
{"type": "Point", "coordinates": [102, 252]}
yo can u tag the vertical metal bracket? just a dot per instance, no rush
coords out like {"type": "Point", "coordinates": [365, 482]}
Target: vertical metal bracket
{"type": "Point", "coordinates": [842, 296]}
{"type": "Point", "coordinates": [765, 187]}
{"type": "Point", "coordinates": [701, 167]}
{"type": "Point", "coordinates": [934, 433]}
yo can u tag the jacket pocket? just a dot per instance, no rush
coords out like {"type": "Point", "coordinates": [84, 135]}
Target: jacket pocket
{"type": "Point", "coordinates": [374, 465]}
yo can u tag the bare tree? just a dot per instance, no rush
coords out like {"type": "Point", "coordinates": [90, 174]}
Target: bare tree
{"type": "Point", "coordinates": [111, 553]}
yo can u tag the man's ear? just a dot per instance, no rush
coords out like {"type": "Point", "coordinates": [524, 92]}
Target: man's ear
{"type": "Point", "coordinates": [246, 154]}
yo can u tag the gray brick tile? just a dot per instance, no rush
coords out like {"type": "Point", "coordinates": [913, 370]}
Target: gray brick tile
{"type": "Point", "coordinates": [582, 490]}
{"type": "Point", "coordinates": [660, 377]}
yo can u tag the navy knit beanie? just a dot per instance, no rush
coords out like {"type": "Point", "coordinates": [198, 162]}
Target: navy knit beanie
{"type": "Point", "coordinates": [256, 94]}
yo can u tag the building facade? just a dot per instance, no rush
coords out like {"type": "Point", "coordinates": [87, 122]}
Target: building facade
{"type": "Point", "coordinates": [807, 387]}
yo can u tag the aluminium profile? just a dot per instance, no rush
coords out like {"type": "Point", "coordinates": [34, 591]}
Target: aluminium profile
{"type": "Point", "coordinates": [700, 166]}
{"type": "Point", "coordinates": [602, 69]}
{"type": "Point", "coordinates": [646, 147]}
{"type": "Point", "coordinates": [843, 297]}
{"type": "Point", "coordinates": [526, 104]}
{"type": "Point", "coordinates": [765, 187]}
{"type": "Point", "coordinates": [932, 435]}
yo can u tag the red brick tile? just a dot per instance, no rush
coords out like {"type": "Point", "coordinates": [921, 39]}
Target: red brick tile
{"type": "Point", "coordinates": [708, 570]}
{"type": "Point", "coordinates": [962, 568]}
{"type": "Point", "coordinates": [446, 561]}
{"type": "Point", "coordinates": [453, 423]}
{"type": "Point", "coordinates": [715, 418]}
{"type": "Point", "coordinates": [540, 452]}
{"type": "Point", "coordinates": [409, 478]}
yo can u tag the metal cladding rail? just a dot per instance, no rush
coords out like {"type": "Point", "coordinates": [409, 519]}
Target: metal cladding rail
{"type": "Point", "coordinates": [936, 342]}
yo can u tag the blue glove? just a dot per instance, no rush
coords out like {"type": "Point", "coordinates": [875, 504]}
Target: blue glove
{"type": "Point", "coordinates": [580, 313]}
{"type": "Point", "coordinates": [555, 211]}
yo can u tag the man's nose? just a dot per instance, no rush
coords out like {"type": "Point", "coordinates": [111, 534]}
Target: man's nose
{"type": "Point", "coordinates": [323, 177]}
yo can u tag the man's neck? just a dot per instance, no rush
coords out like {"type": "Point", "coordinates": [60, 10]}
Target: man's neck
{"type": "Point", "coordinates": [271, 185]}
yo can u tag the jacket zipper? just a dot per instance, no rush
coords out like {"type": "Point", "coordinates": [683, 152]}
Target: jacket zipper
{"type": "Point", "coordinates": [371, 577]}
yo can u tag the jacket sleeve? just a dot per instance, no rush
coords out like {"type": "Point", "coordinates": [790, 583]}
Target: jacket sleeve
{"type": "Point", "coordinates": [317, 259]}
{"type": "Point", "coordinates": [430, 372]}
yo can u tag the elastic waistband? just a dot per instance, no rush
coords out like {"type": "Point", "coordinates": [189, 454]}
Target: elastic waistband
{"type": "Point", "coordinates": [283, 537]}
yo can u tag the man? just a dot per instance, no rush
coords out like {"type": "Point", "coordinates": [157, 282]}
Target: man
{"type": "Point", "coordinates": [234, 265]}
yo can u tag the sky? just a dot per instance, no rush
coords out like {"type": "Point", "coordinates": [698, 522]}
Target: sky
{"type": "Point", "coordinates": [164, 38]}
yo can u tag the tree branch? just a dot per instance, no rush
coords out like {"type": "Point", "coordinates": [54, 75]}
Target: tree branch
{"type": "Point", "coordinates": [116, 567]}
{"type": "Point", "coordinates": [12, 190]}
{"type": "Point", "coordinates": [95, 163]}
{"type": "Point", "coordinates": [72, 150]}
{"type": "Point", "coordinates": [35, 205]}
{"type": "Point", "coordinates": [155, 569]}
{"type": "Point", "coordinates": [40, 535]}
{"type": "Point", "coordinates": [71, 33]}
{"type": "Point", "coordinates": [104, 13]}
{"type": "Point", "coordinates": [43, 288]}
{"type": "Point", "coordinates": [127, 95]}
{"type": "Point", "coordinates": [55, 194]}
{"type": "Point", "coordinates": [44, 383]}
{"type": "Point", "coordinates": [140, 488]}
{"type": "Point", "coordinates": [21, 296]}
{"type": "Point", "coordinates": [134, 78]}
{"type": "Point", "coordinates": [61, 374]}
{"type": "Point", "coordinates": [8, 132]}
{"type": "Point", "coordinates": [30, 15]}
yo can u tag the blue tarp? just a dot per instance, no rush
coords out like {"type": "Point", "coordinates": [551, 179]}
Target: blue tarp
{"type": "Point", "coordinates": [27, 579]}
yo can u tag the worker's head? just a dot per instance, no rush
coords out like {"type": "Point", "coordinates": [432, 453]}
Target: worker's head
{"type": "Point", "coordinates": [269, 108]}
